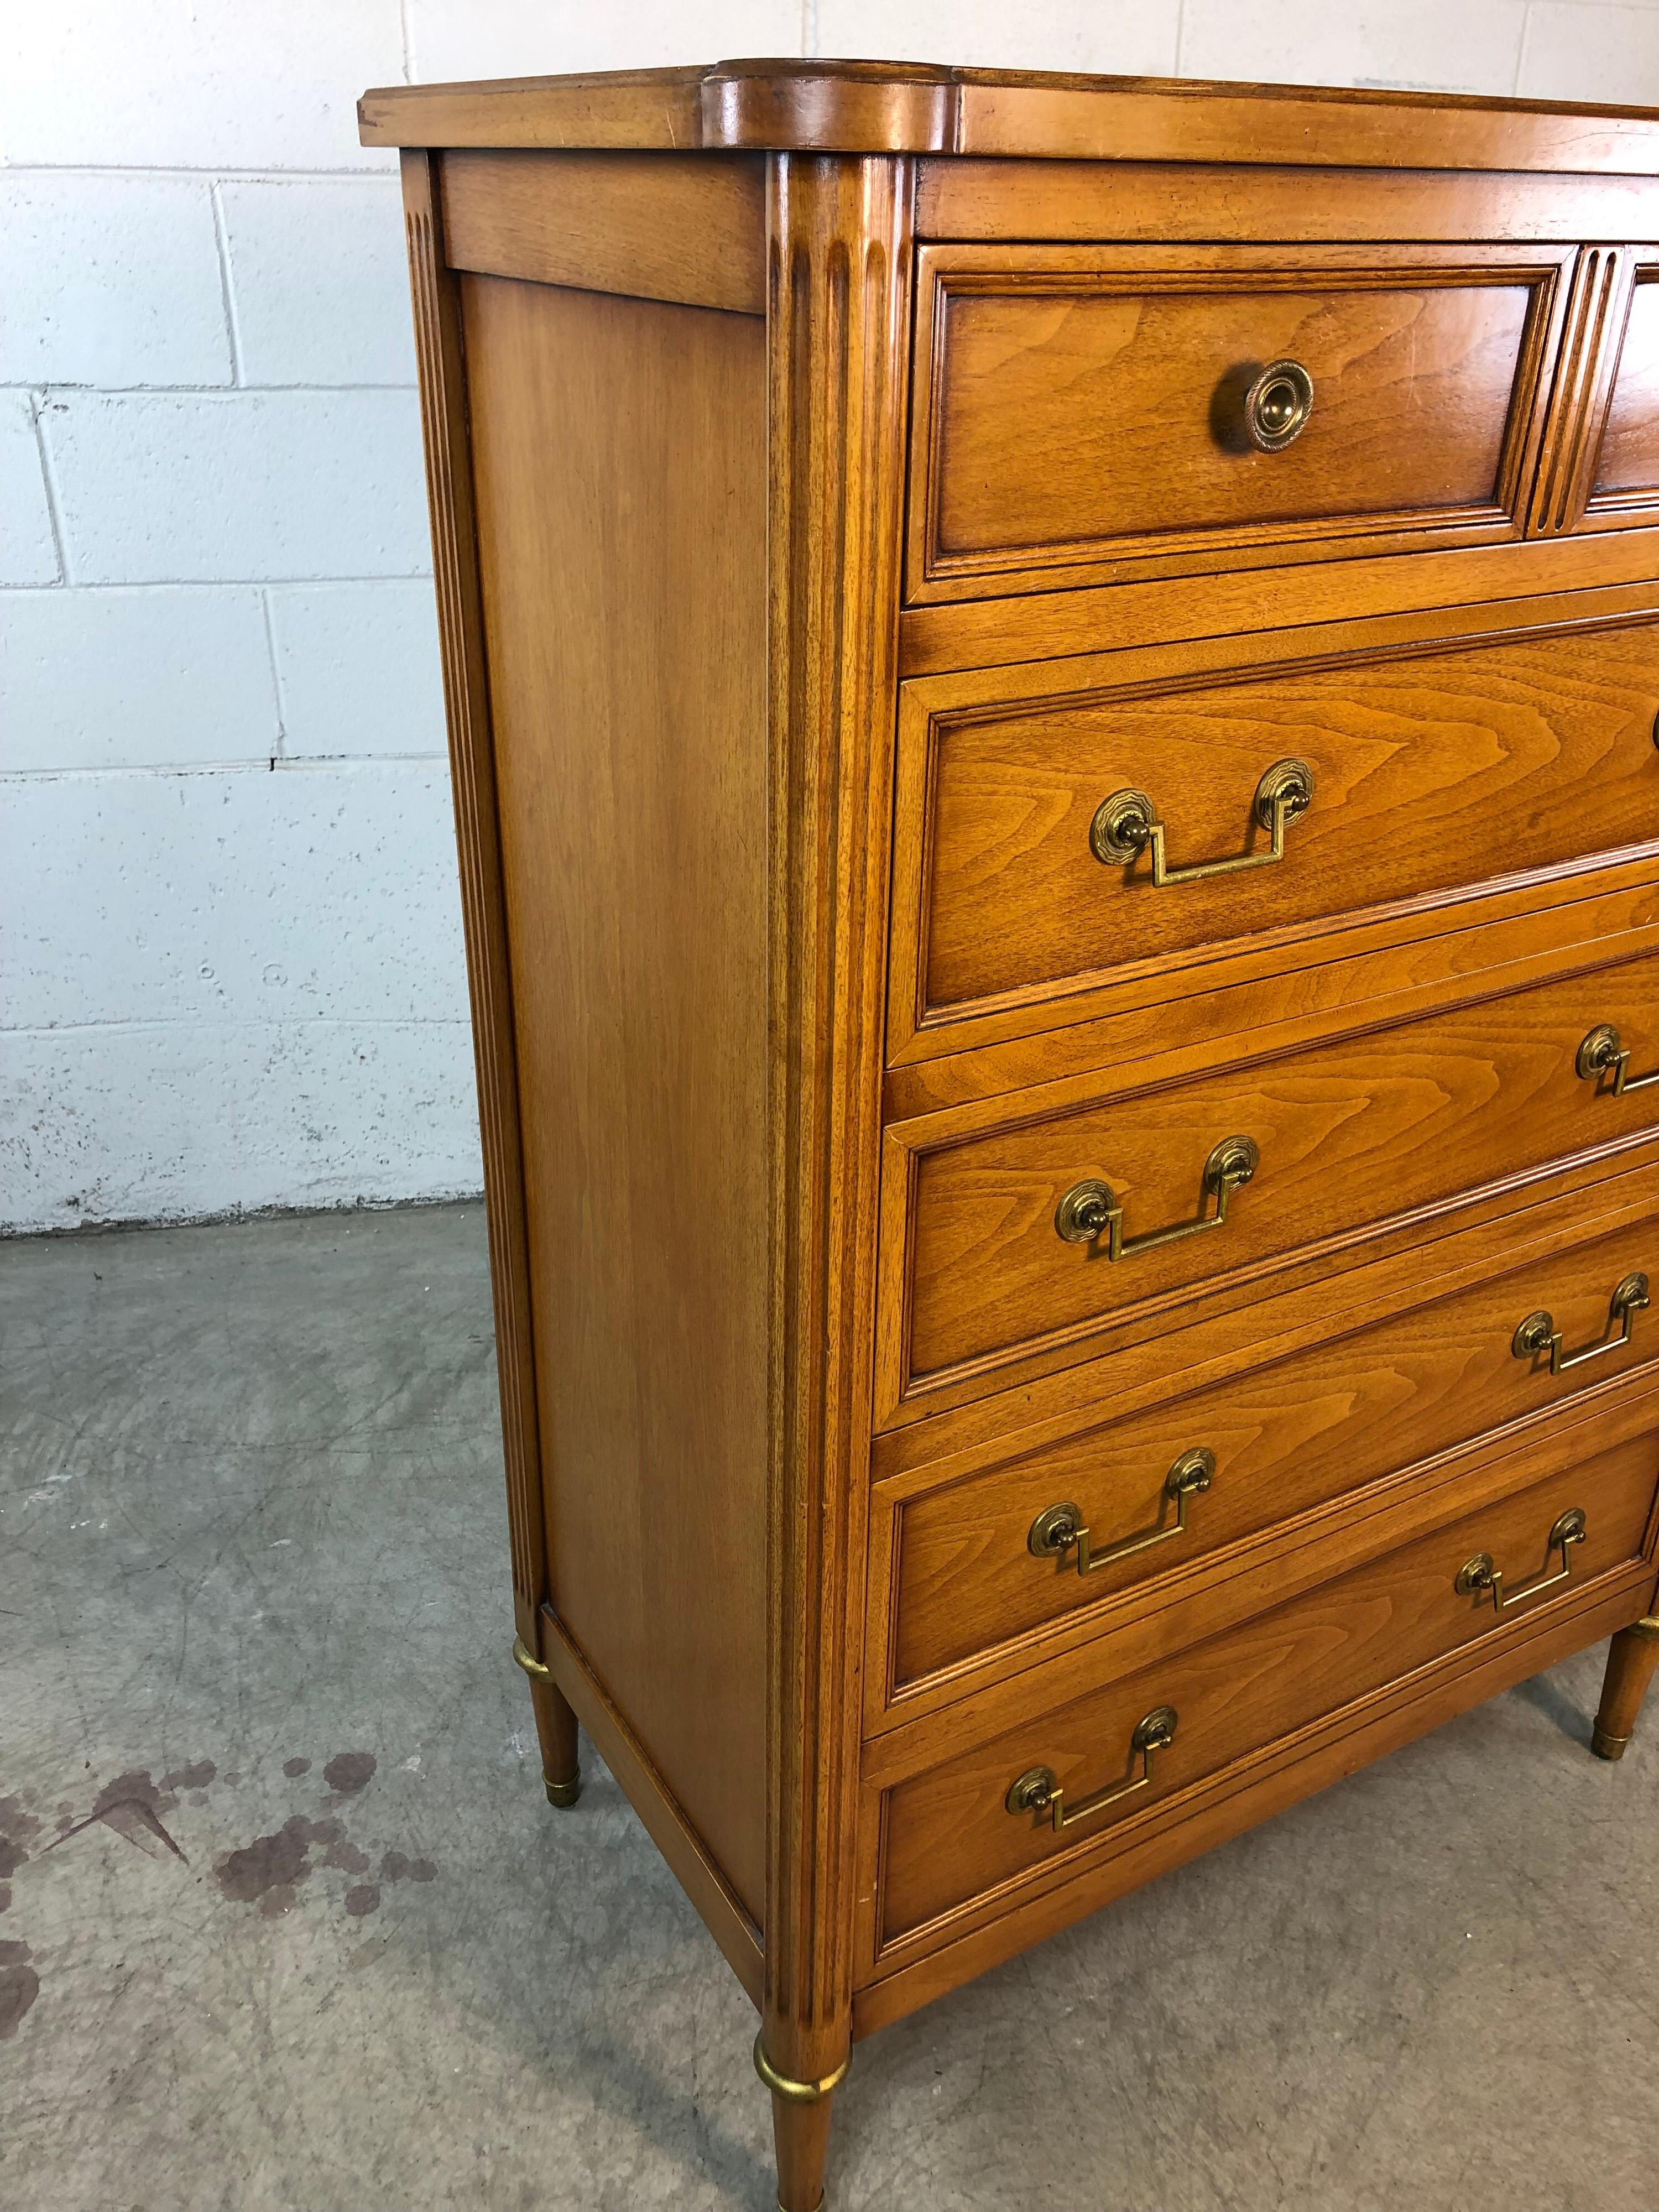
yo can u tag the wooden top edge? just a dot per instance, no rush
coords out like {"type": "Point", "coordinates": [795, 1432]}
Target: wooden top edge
{"type": "Point", "coordinates": [900, 107]}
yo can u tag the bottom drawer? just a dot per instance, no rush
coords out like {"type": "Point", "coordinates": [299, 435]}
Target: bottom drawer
{"type": "Point", "coordinates": [977, 1827]}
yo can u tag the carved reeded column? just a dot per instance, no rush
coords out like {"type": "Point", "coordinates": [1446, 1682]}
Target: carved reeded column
{"type": "Point", "coordinates": [1631, 1664]}
{"type": "Point", "coordinates": [839, 231]}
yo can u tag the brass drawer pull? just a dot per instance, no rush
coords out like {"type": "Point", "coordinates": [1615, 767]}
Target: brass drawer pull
{"type": "Point", "coordinates": [1538, 1333]}
{"type": "Point", "coordinates": [1058, 1528]}
{"type": "Point", "coordinates": [1602, 1054]}
{"type": "Point", "coordinates": [1126, 823]}
{"type": "Point", "coordinates": [1477, 1577]}
{"type": "Point", "coordinates": [1037, 1789]}
{"type": "Point", "coordinates": [1277, 404]}
{"type": "Point", "coordinates": [1090, 1210]}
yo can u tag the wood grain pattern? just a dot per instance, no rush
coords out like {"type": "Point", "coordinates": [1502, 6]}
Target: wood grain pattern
{"type": "Point", "coordinates": [1477, 582]}
{"type": "Point", "coordinates": [948, 1838]}
{"type": "Point", "coordinates": [1286, 1438]}
{"type": "Point", "coordinates": [1005, 202]}
{"type": "Point", "coordinates": [1193, 1344]}
{"type": "Point", "coordinates": [1080, 408]}
{"type": "Point", "coordinates": [1378, 1128]}
{"type": "Point", "coordinates": [898, 107]}
{"type": "Point", "coordinates": [626, 657]}
{"type": "Point", "coordinates": [1595, 314]}
{"type": "Point", "coordinates": [840, 316]}
{"type": "Point", "coordinates": [656, 226]}
{"type": "Point", "coordinates": [439, 352]}
{"type": "Point", "coordinates": [1435, 774]}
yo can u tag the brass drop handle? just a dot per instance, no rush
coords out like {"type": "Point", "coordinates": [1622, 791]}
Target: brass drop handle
{"type": "Point", "coordinates": [1092, 1210]}
{"type": "Point", "coordinates": [1277, 404]}
{"type": "Point", "coordinates": [1479, 1577]}
{"type": "Point", "coordinates": [1059, 1527]}
{"type": "Point", "coordinates": [1038, 1790]}
{"type": "Point", "coordinates": [1538, 1333]}
{"type": "Point", "coordinates": [1603, 1054]}
{"type": "Point", "coordinates": [1127, 824]}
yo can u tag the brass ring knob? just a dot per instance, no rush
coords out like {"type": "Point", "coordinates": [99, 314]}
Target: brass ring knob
{"type": "Point", "coordinates": [1277, 404]}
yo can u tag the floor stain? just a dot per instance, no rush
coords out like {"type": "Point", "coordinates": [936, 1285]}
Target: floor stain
{"type": "Point", "coordinates": [348, 1771]}
{"type": "Point", "coordinates": [131, 1805]}
{"type": "Point", "coordinates": [363, 1897]}
{"type": "Point", "coordinates": [19, 1985]}
{"type": "Point", "coordinates": [395, 1867]}
{"type": "Point", "coordinates": [268, 1871]}
{"type": "Point", "coordinates": [19, 1832]}
{"type": "Point", "coordinates": [294, 1768]}
{"type": "Point", "coordinates": [194, 1777]}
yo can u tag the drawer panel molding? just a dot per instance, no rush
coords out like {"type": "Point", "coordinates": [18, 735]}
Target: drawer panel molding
{"type": "Point", "coordinates": [1041, 1231]}
{"type": "Point", "coordinates": [976, 1574]}
{"type": "Point", "coordinates": [952, 1838]}
{"type": "Point", "coordinates": [1049, 848]}
{"type": "Point", "coordinates": [1082, 411]}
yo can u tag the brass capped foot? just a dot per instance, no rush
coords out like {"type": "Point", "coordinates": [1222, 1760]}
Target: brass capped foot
{"type": "Point", "coordinates": [1607, 1747]}
{"type": "Point", "coordinates": [563, 1793]}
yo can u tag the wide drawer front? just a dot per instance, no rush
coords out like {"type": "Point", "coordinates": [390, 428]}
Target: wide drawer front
{"type": "Point", "coordinates": [1083, 407]}
{"type": "Point", "coordinates": [1083, 1527]}
{"type": "Point", "coordinates": [1065, 841]}
{"type": "Point", "coordinates": [1042, 1235]}
{"type": "Point", "coordinates": [977, 1825]}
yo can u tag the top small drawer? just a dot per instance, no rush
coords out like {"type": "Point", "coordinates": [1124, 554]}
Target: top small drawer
{"type": "Point", "coordinates": [1085, 413]}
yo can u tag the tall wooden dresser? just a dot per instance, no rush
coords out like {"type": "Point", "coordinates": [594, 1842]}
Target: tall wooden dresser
{"type": "Point", "coordinates": [1053, 687]}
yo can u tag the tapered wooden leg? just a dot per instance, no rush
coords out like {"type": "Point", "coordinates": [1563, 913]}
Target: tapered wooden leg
{"type": "Point", "coordinates": [556, 1727]}
{"type": "Point", "coordinates": [801, 2130]}
{"type": "Point", "coordinates": [1631, 1662]}
{"type": "Point", "coordinates": [801, 2133]}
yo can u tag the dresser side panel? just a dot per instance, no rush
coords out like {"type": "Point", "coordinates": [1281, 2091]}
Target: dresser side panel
{"type": "Point", "coordinates": [619, 450]}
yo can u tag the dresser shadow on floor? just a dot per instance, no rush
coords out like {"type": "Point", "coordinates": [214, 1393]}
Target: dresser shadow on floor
{"type": "Point", "coordinates": [1573, 1720]}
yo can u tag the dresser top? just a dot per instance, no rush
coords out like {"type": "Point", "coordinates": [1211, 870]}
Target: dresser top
{"type": "Point", "coordinates": [903, 107]}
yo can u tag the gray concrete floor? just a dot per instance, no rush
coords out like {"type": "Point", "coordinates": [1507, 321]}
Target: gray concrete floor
{"type": "Point", "coordinates": [287, 1922]}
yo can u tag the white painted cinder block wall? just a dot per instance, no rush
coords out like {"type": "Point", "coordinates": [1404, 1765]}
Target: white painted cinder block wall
{"type": "Point", "coordinates": [230, 957]}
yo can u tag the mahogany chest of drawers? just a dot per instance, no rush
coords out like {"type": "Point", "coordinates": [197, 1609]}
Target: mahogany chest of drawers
{"type": "Point", "coordinates": [1053, 691]}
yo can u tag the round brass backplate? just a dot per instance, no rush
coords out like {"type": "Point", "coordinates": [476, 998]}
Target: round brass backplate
{"type": "Point", "coordinates": [1533, 1335]}
{"type": "Point", "coordinates": [1034, 1791]}
{"type": "Point", "coordinates": [1120, 827]}
{"type": "Point", "coordinates": [1277, 404]}
{"type": "Point", "coordinates": [1234, 1160]}
{"type": "Point", "coordinates": [1194, 1470]}
{"type": "Point", "coordinates": [1632, 1294]}
{"type": "Point", "coordinates": [1475, 1574]}
{"type": "Point", "coordinates": [1156, 1732]}
{"type": "Point", "coordinates": [1084, 1212]}
{"type": "Point", "coordinates": [1599, 1053]}
{"type": "Point", "coordinates": [1570, 1528]}
{"type": "Point", "coordinates": [1054, 1532]}
{"type": "Point", "coordinates": [1287, 782]}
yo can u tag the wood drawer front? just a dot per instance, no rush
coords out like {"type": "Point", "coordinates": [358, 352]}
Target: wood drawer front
{"type": "Point", "coordinates": [948, 1840]}
{"type": "Point", "coordinates": [1434, 775]}
{"type": "Point", "coordinates": [1080, 408]}
{"type": "Point", "coordinates": [1392, 1127]}
{"type": "Point", "coordinates": [1372, 1411]}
